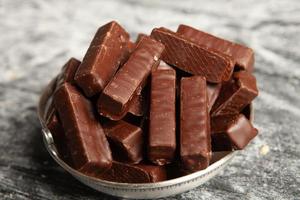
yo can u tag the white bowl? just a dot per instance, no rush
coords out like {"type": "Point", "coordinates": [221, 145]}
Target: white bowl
{"type": "Point", "coordinates": [136, 191]}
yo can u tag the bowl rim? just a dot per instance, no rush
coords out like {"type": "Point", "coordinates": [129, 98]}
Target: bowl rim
{"type": "Point", "coordinates": [50, 146]}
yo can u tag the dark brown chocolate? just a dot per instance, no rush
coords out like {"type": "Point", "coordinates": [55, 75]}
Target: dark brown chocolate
{"type": "Point", "coordinates": [125, 173]}
{"type": "Point", "coordinates": [137, 105]}
{"type": "Point", "coordinates": [193, 58]}
{"type": "Point", "coordinates": [103, 57]}
{"type": "Point", "coordinates": [243, 55]}
{"type": "Point", "coordinates": [162, 127]}
{"type": "Point", "coordinates": [116, 98]}
{"type": "Point", "coordinates": [126, 141]}
{"type": "Point", "coordinates": [213, 91]}
{"type": "Point", "coordinates": [85, 138]}
{"type": "Point", "coordinates": [195, 147]}
{"type": "Point", "coordinates": [236, 94]}
{"type": "Point", "coordinates": [68, 72]}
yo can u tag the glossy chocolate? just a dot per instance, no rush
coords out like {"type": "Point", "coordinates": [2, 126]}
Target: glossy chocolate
{"type": "Point", "coordinates": [195, 147]}
{"type": "Point", "coordinates": [117, 96]}
{"type": "Point", "coordinates": [137, 105]}
{"type": "Point", "coordinates": [236, 94]}
{"type": "Point", "coordinates": [125, 173]}
{"type": "Point", "coordinates": [126, 141]}
{"type": "Point", "coordinates": [162, 128]}
{"type": "Point", "coordinates": [107, 50]}
{"type": "Point", "coordinates": [85, 138]}
{"type": "Point", "coordinates": [243, 55]}
{"type": "Point", "coordinates": [193, 58]}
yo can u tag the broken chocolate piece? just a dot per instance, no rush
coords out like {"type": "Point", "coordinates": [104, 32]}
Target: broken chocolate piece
{"type": "Point", "coordinates": [193, 58]}
{"type": "Point", "coordinates": [126, 139]}
{"type": "Point", "coordinates": [116, 98]}
{"type": "Point", "coordinates": [162, 127]}
{"type": "Point", "coordinates": [195, 147]}
{"type": "Point", "coordinates": [236, 94]}
{"type": "Point", "coordinates": [102, 59]}
{"type": "Point", "coordinates": [243, 55]}
{"type": "Point", "coordinates": [85, 138]}
{"type": "Point", "coordinates": [125, 173]}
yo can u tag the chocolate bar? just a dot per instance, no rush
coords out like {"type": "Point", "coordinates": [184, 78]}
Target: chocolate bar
{"type": "Point", "coordinates": [195, 147]}
{"type": "Point", "coordinates": [137, 106]}
{"type": "Point", "coordinates": [243, 55]}
{"type": "Point", "coordinates": [236, 94]}
{"type": "Point", "coordinates": [102, 59]}
{"type": "Point", "coordinates": [85, 138]}
{"type": "Point", "coordinates": [213, 91]}
{"type": "Point", "coordinates": [193, 58]}
{"type": "Point", "coordinates": [140, 37]}
{"type": "Point", "coordinates": [126, 141]}
{"type": "Point", "coordinates": [116, 98]}
{"type": "Point", "coordinates": [162, 127]}
{"type": "Point", "coordinates": [235, 131]}
{"type": "Point", "coordinates": [125, 173]}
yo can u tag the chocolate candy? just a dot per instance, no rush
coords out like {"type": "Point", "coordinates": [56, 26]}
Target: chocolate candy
{"type": "Point", "coordinates": [85, 138]}
{"type": "Point", "coordinates": [68, 72]}
{"type": "Point", "coordinates": [137, 106]}
{"type": "Point", "coordinates": [117, 96]}
{"type": "Point", "coordinates": [126, 141]}
{"type": "Point", "coordinates": [236, 94]}
{"type": "Point", "coordinates": [243, 55]}
{"type": "Point", "coordinates": [193, 58]}
{"type": "Point", "coordinates": [195, 147]}
{"type": "Point", "coordinates": [213, 91]}
{"type": "Point", "coordinates": [162, 128]}
{"type": "Point", "coordinates": [103, 57]}
{"type": "Point", "coordinates": [125, 173]}
{"type": "Point", "coordinates": [237, 131]}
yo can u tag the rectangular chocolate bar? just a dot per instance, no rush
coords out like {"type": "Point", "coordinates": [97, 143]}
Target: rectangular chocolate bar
{"type": "Point", "coordinates": [236, 94]}
{"type": "Point", "coordinates": [137, 105]}
{"type": "Point", "coordinates": [116, 98]}
{"type": "Point", "coordinates": [213, 91]}
{"type": "Point", "coordinates": [195, 147]}
{"type": "Point", "coordinates": [243, 55]}
{"type": "Point", "coordinates": [125, 173]}
{"type": "Point", "coordinates": [162, 127]}
{"type": "Point", "coordinates": [193, 58]}
{"type": "Point", "coordinates": [85, 137]}
{"type": "Point", "coordinates": [126, 141]}
{"type": "Point", "coordinates": [102, 59]}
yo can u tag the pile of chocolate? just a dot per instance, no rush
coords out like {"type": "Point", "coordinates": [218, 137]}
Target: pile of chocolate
{"type": "Point", "coordinates": [154, 109]}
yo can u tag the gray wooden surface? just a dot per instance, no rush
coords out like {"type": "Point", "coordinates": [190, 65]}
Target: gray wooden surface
{"type": "Point", "coordinates": [37, 37]}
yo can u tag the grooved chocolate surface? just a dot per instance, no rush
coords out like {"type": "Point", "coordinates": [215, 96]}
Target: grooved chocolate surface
{"type": "Point", "coordinates": [243, 55]}
{"type": "Point", "coordinates": [127, 141]}
{"type": "Point", "coordinates": [85, 138]}
{"type": "Point", "coordinates": [162, 128]}
{"type": "Point", "coordinates": [102, 59]}
{"type": "Point", "coordinates": [236, 94]}
{"type": "Point", "coordinates": [195, 147]}
{"type": "Point", "coordinates": [193, 58]}
{"type": "Point", "coordinates": [117, 96]}
{"type": "Point", "coordinates": [125, 173]}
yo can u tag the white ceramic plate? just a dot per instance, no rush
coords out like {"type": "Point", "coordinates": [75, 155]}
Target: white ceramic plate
{"type": "Point", "coordinates": [136, 191]}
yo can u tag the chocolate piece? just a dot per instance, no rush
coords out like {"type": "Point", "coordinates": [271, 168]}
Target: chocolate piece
{"type": "Point", "coordinates": [193, 58]}
{"type": "Point", "coordinates": [85, 138]}
{"type": "Point", "coordinates": [137, 106]}
{"type": "Point", "coordinates": [213, 91]}
{"type": "Point", "coordinates": [140, 37]}
{"type": "Point", "coordinates": [195, 147]}
{"type": "Point", "coordinates": [116, 98]}
{"type": "Point", "coordinates": [68, 72]}
{"type": "Point", "coordinates": [236, 94]}
{"type": "Point", "coordinates": [106, 51]}
{"type": "Point", "coordinates": [243, 55]}
{"type": "Point", "coordinates": [125, 173]}
{"type": "Point", "coordinates": [162, 127]}
{"type": "Point", "coordinates": [126, 139]}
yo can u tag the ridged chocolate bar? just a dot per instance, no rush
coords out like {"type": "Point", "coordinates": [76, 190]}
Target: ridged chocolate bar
{"type": "Point", "coordinates": [162, 127]}
{"type": "Point", "coordinates": [236, 94]}
{"type": "Point", "coordinates": [116, 98]}
{"type": "Point", "coordinates": [102, 59]}
{"type": "Point", "coordinates": [85, 138]}
{"type": "Point", "coordinates": [125, 173]}
{"type": "Point", "coordinates": [193, 58]}
{"type": "Point", "coordinates": [195, 147]}
{"type": "Point", "coordinates": [126, 141]}
{"type": "Point", "coordinates": [243, 55]}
